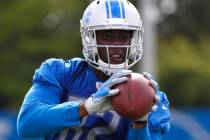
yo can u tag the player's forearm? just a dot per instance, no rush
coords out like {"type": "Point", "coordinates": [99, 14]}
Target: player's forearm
{"type": "Point", "coordinates": [156, 135]}
{"type": "Point", "coordinates": [140, 132]}
{"type": "Point", "coordinates": [39, 119]}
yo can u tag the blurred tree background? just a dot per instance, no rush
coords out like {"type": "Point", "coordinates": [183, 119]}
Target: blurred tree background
{"type": "Point", "coordinates": [35, 30]}
{"type": "Point", "coordinates": [184, 54]}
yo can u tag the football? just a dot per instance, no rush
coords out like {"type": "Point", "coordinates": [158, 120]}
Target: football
{"type": "Point", "coordinates": [136, 97]}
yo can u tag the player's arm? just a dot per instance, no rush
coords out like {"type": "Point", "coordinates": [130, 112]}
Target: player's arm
{"type": "Point", "coordinates": [40, 117]}
{"type": "Point", "coordinates": [41, 113]}
{"type": "Point", "coordinates": [138, 132]}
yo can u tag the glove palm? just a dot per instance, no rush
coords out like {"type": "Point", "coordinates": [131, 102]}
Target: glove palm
{"type": "Point", "coordinates": [99, 102]}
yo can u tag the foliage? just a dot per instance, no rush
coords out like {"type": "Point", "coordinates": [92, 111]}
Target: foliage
{"type": "Point", "coordinates": [32, 31]}
{"type": "Point", "coordinates": [184, 71]}
{"type": "Point", "coordinates": [184, 54]}
{"type": "Point", "coordinates": [191, 20]}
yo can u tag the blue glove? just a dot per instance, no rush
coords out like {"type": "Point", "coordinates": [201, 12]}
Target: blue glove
{"type": "Point", "coordinates": [99, 102]}
{"type": "Point", "coordinates": [159, 117]}
{"type": "Point", "coordinates": [159, 120]}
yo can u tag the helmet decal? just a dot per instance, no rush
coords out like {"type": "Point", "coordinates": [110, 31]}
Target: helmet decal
{"type": "Point", "coordinates": [115, 8]}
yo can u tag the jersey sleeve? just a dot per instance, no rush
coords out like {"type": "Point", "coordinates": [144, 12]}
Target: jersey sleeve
{"type": "Point", "coordinates": [138, 134]}
{"type": "Point", "coordinates": [41, 113]}
{"type": "Point", "coordinates": [143, 134]}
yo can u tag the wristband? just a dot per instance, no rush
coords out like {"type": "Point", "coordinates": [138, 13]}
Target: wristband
{"type": "Point", "coordinates": [140, 122]}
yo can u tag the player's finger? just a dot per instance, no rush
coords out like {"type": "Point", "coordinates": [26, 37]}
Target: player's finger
{"type": "Point", "coordinates": [126, 72]}
{"type": "Point", "coordinates": [113, 92]}
{"type": "Point", "coordinates": [155, 85]}
{"type": "Point", "coordinates": [118, 81]}
{"type": "Point", "coordinates": [121, 73]}
{"type": "Point", "coordinates": [157, 99]}
{"type": "Point", "coordinates": [154, 108]}
{"type": "Point", "coordinates": [147, 75]}
{"type": "Point", "coordinates": [144, 118]}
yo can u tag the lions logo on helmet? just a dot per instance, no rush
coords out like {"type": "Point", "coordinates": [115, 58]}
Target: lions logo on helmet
{"type": "Point", "coordinates": [111, 15]}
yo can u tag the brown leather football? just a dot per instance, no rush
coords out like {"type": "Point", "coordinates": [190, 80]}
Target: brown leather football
{"type": "Point", "coordinates": [136, 97]}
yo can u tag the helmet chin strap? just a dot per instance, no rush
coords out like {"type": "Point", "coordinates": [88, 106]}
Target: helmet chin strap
{"type": "Point", "coordinates": [109, 69]}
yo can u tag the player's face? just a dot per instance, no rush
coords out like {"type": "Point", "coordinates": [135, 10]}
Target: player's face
{"type": "Point", "coordinates": [113, 37]}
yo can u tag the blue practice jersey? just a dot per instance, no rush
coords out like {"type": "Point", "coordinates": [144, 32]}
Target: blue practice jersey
{"type": "Point", "coordinates": [51, 107]}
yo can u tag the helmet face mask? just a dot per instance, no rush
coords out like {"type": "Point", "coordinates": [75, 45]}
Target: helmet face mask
{"type": "Point", "coordinates": [111, 15]}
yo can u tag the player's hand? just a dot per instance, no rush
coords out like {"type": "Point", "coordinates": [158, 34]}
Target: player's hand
{"type": "Point", "coordinates": [99, 102]}
{"type": "Point", "coordinates": [155, 85]}
{"type": "Point", "coordinates": [159, 120]}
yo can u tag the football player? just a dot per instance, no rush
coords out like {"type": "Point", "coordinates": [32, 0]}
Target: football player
{"type": "Point", "coordinates": [71, 99]}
